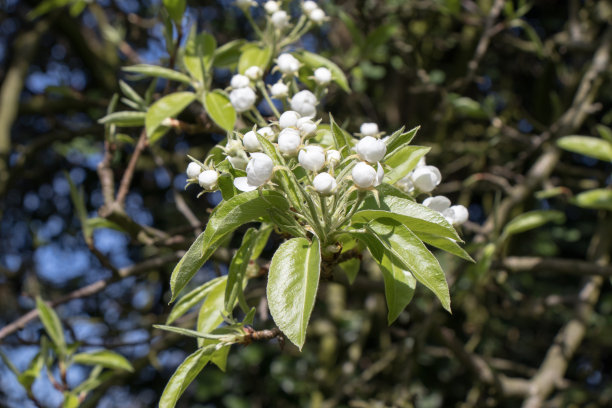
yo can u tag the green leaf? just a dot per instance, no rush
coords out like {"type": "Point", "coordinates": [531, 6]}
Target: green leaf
{"type": "Point", "coordinates": [210, 316]}
{"type": "Point", "coordinates": [192, 298]}
{"type": "Point", "coordinates": [9, 364]}
{"type": "Point", "coordinates": [400, 138]}
{"type": "Point", "coordinates": [399, 287]}
{"type": "Point", "coordinates": [402, 161]}
{"type": "Point", "coordinates": [70, 400]}
{"type": "Point", "coordinates": [261, 240]}
{"type": "Point", "coordinates": [220, 109]}
{"type": "Point", "coordinates": [342, 140]}
{"type": "Point", "coordinates": [98, 222]}
{"type": "Point", "coordinates": [228, 216]}
{"type": "Point", "coordinates": [598, 199]}
{"type": "Point", "coordinates": [254, 56]}
{"type": "Point", "coordinates": [124, 118]}
{"type": "Point", "coordinates": [198, 55]}
{"type": "Point", "coordinates": [589, 146]}
{"type": "Point", "coordinates": [52, 324]}
{"type": "Point", "coordinates": [605, 132]}
{"type": "Point", "coordinates": [416, 217]}
{"type": "Point", "coordinates": [159, 72]}
{"type": "Point", "coordinates": [237, 272]}
{"type": "Point", "coordinates": [104, 358]}
{"type": "Point", "coordinates": [315, 61]}
{"type": "Point", "coordinates": [227, 55]}
{"type": "Point", "coordinates": [176, 8]}
{"type": "Point", "coordinates": [445, 244]}
{"type": "Point", "coordinates": [407, 252]}
{"type": "Point", "coordinates": [184, 375]}
{"type": "Point", "coordinates": [351, 268]}
{"type": "Point", "coordinates": [166, 107]}
{"type": "Point", "coordinates": [532, 219]}
{"type": "Point", "coordinates": [27, 378]}
{"type": "Point", "coordinates": [132, 94]}
{"type": "Point", "coordinates": [292, 286]}
{"type": "Point", "coordinates": [187, 332]}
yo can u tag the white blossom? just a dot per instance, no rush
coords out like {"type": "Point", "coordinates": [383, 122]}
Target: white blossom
{"type": "Point", "coordinates": [287, 64]}
{"type": "Point", "coordinates": [437, 203]}
{"type": "Point", "coordinates": [322, 76]}
{"type": "Point", "coordinates": [309, 6]}
{"type": "Point", "coordinates": [259, 171]}
{"type": "Point", "coordinates": [288, 119]}
{"type": "Point", "coordinates": [271, 6]}
{"type": "Point", "coordinates": [371, 149]}
{"type": "Point", "coordinates": [240, 81]}
{"type": "Point", "coordinates": [312, 157]}
{"type": "Point", "coordinates": [364, 175]}
{"type": "Point", "coordinates": [324, 183]}
{"type": "Point", "coordinates": [251, 144]}
{"type": "Point", "coordinates": [208, 179]}
{"type": "Point", "coordinates": [456, 215]}
{"type": "Point", "coordinates": [369, 129]}
{"type": "Point", "coordinates": [280, 19]}
{"type": "Point", "coordinates": [426, 178]}
{"type": "Point", "coordinates": [289, 141]}
{"type": "Point", "coordinates": [253, 72]}
{"type": "Point", "coordinates": [306, 127]}
{"type": "Point", "coordinates": [266, 131]}
{"type": "Point", "coordinates": [279, 90]}
{"type": "Point", "coordinates": [304, 103]}
{"type": "Point", "coordinates": [333, 157]}
{"type": "Point", "coordinates": [193, 170]}
{"type": "Point", "coordinates": [317, 16]}
{"type": "Point", "coordinates": [242, 99]}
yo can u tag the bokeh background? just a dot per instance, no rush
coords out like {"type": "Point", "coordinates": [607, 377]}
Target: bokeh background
{"type": "Point", "coordinates": [493, 84]}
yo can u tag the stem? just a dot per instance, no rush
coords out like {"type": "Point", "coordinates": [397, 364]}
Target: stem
{"type": "Point", "coordinates": [261, 86]}
{"type": "Point", "coordinates": [249, 17]}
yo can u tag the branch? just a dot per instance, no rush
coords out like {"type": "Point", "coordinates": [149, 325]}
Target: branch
{"type": "Point", "coordinates": [554, 265]}
{"type": "Point", "coordinates": [124, 186]}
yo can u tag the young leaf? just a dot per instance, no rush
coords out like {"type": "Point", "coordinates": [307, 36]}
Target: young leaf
{"type": "Point", "coordinates": [166, 107]}
{"type": "Point", "coordinates": [254, 56]}
{"type": "Point", "coordinates": [589, 146]}
{"type": "Point", "coordinates": [228, 216]}
{"type": "Point", "coordinates": [27, 378]}
{"type": "Point", "coordinates": [351, 268]}
{"type": "Point", "coordinates": [315, 61]}
{"type": "Point", "coordinates": [70, 400]}
{"type": "Point", "coordinates": [227, 55]}
{"type": "Point", "coordinates": [192, 298]}
{"type": "Point", "coordinates": [199, 51]}
{"type": "Point", "coordinates": [220, 109]}
{"type": "Point", "coordinates": [292, 286]}
{"type": "Point", "coordinates": [104, 358]}
{"type": "Point", "coordinates": [132, 94]}
{"type": "Point", "coordinates": [532, 219]}
{"type": "Point", "coordinates": [445, 244]}
{"type": "Point", "coordinates": [52, 324]}
{"type": "Point", "coordinates": [237, 271]}
{"type": "Point", "coordinates": [210, 316]}
{"type": "Point", "coordinates": [184, 375]}
{"type": "Point", "coordinates": [402, 161]}
{"type": "Point", "coordinates": [176, 8]}
{"type": "Point", "coordinates": [341, 139]}
{"type": "Point", "coordinates": [598, 199]}
{"type": "Point", "coordinates": [124, 118]}
{"type": "Point", "coordinates": [159, 72]}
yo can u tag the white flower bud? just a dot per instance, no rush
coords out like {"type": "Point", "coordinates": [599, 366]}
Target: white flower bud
{"type": "Point", "coordinates": [306, 127]}
{"type": "Point", "coordinates": [322, 76]}
{"type": "Point", "coordinates": [208, 179]}
{"type": "Point", "coordinates": [317, 16]}
{"type": "Point", "coordinates": [280, 19]}
{"type": "Point", "coordinates": [279, 90]}
{"type": "Point", "coordinates": [333, 157]}
{"type": "Point", "coordinates": [369, 129]}
{"type": "Point", "coordinates": [287, 64]}
{"type": "Point", "coordinates": [266, 131]}
{"type": "Point", "coordinates": [304, 103]}
{"type": "Point", "coordinates": [239, 81]}
{"type": "Point", "coordinates": [288, 119]}
{"type": "Point", "coordinates": [251, 144]}
{"type": "Point", "coordinates": [193, 170]}
{"type": "Point", "coordinates": [426, 178]}
{"type": "Point", "coordinates": [271, 7]}
{"type": "Point", "coordinates": [309, 6]}
{"type": "Point", "coordinates": [364, 175]}
{"type": "Point", "coordinates": [289, 141]}
{"type": "Point", "coordinates": [324, 183]}
{"type": "Point", "coordinates": [421, 163]}
{"type": "Point", "coordinates": [312, 157]}
{"type": "Point", "coordinates": [253, 72]}
{"type": "Point", "coordinates": [437, 203]}
{"type": "Point", "coordinates": [259, 171]}
{"type": "Point", "coordinates": [242, 99]}
{"type": "Point", "coordinates": [371, 149]}
{"type": "Point", "coordinates": [406, 184]}
{"type": "Point", "coordinates": [456, 215]}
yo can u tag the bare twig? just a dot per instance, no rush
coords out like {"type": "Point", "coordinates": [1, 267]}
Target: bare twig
{"type": "Point", "coordinates": [555, 265]}
{"type": "Point", "coordinates": [124, 186]}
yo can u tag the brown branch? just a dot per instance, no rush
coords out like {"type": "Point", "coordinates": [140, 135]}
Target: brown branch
{"type": "Point", "coordinates": [555, 266]}
{"type": "Point", "coordinates": [124, 186]}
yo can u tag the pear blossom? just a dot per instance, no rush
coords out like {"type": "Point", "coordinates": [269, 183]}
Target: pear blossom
{"type": "Point", "coordinates": [364, 175]}
{"type": "Point", "coordinates": [279, 90]}
{"type": "Point", "coordinates": [242, 99]}
{"type": "Point", "coordinates": [271, 6]}
{"type": "Point", "coordinates": [309, 6]}
{"type": "Point", "coordinates": [240, 81]}
{"type": "Point", "coordinates": [333, 157]}
{"type": "Point", "coordinates": [312, 157]}
{"type": "Point", "coordinates": [253, 72]}
{"type": "Point", "coordinates": [288, 119]}
{"type": "Point", "coordinates": [287, 64]}
{"type": "Point", "coordinates": [456, 215]}
{"type": "Point", "coordinates": [306, 127]}
{"type": "Point", "coordinates": [251, 144]}
{"type": "Point", "coordinates": [369, 129]}
{"type": "Point", "coordinates": [437, 203]}
{"type": "Point", "coordinates": [324, 183]}
{"type": "Point", "coordinates": [317, 16]}
{"type": "Point", "coordinates": [208, 179]}
{"type": "Point", "coordinates": [289, 141]}
{"type": "Point", "coordinates": [280, 19]}
{"type": "Point", "coordinates": [193, 170]}
{"type": "Point", "coordinates": [304, 103]}
{"type": "Point", "coordinates": [426, 178]}
{"type": "Point", "coordinates": [266, 131]}
{"type": "Point", "coordinates": [322, 76]}
{"type": "Point", "coordinates": [371, 149]}
{"type": "Point", "coordinates": [259, 171]}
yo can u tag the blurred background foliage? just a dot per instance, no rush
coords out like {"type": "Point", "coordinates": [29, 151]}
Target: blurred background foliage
{"type": "Point", "coordinates": [493, 85]}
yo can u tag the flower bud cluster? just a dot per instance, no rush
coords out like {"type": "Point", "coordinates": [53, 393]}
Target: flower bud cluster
{"type": "Point", "coordinates": [200, 174]}
{"type": "Point", "coordinates": [454, 214]}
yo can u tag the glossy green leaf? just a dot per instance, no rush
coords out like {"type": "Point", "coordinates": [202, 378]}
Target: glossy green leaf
{"type": "Point", "coordinates": [445, 244]}
{"type": "Point", "coordinates": [234, 290]}
{"type": "Point", "coordinates": [167, 107]}
{"type": "Point", "coordinates": [175, 8]}
{"type": "Point", "coordinates": [184, 375]}
{"type": "Point", "coordinates": [227, 55]}
{"type": "Point", "coordinates": [532, 219]}
{"type": "Point", "coordinates": [315, 61]}
{"type": "Point", "coordinates": [210, 315]}
{"type": "Point", "coordinates": [400, 138]}
{"type": "Point", "coordinates": [52, 324]}
{"type": "Point", "coordinates": [399, 287]}
{"type": "Point", "coordinates": [351, 268]}
{"type": "Point", "coordinates": [261, 240]}
{"type": "Point", "coordinates": [187, 332]}
{"type": "Point", "coordinates": [104, 358]}
{"type": "Point", "coordinates": [158, 72]}
{"type": "Point", "coordinates": [124, 118]}
{"type": "Point", "coordinates": [598, 199]}
{"type": "Point", "coordinates": [589, 146]}
{"type": "Point", "coordinates": [254, 56]}
{"type": "Point", "coordinates": [292, 286]}
{"type": "Point", "coordinates": [192, 298]}
{"type": "Point", "coordinates": [416, 217]}
{"type": "Point", "coordinates": [342, 140]}
{"type": "Point", "coordinates": [220, 110]}
{"type": "Point", "coordinates": [199, 50]}
{"type": "Point", "coordinates": [228, 216]}
{"type": "Point", "coordinates": [402, 161]}
{"type": "Point", "coordinates": [132, 94]}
